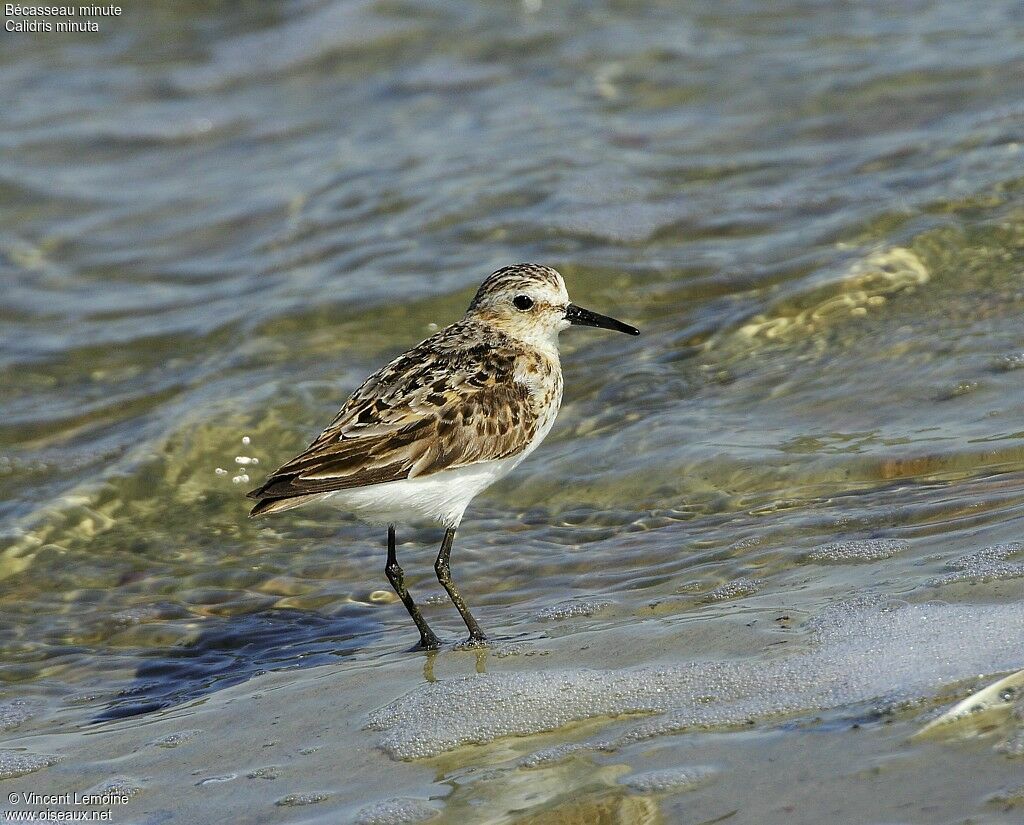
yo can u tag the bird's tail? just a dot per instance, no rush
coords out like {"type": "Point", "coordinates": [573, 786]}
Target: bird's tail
{"type": "Point", "coordinates": [266, 506]}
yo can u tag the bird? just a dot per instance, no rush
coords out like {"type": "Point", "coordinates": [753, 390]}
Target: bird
{"type": "Point", "coordinates": [439, 424]}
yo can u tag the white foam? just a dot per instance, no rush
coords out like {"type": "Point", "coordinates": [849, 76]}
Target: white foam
{"type": "Point", "coordinates": [554, 755]}
{"type": "Point", "coordinates": [268, 772]}
{"type": "Point", "coordinates": [988, 564]}
{"type": "Point", "coordinates": [736, 589]}
{"type": "Point", "coordinates": [853, 552]}
{"type": "Point", "coordinates": [14, 712]}
{"type": "Point", "coordinates": [503, 651]}
{"type": "Point", "coordinates": [176, 739]}
{"type": "Point", "coordinates": [298, 800]}
{"type": "Point", "coordinates": [672, 780]}
{"type": "Point", "coordinates": [859, 653]}
{"type": "Point", "coordinates": [574, 609]}
{"type": "Point", "coordinates": [117, 786]}
{"type": "Point", "coordinates": [396, 812]}
{"type": "Point", "coordinates": [19, 763]}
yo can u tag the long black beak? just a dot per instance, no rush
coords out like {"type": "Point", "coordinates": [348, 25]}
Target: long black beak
{"type": "Point", "coordinates": [580, 317]}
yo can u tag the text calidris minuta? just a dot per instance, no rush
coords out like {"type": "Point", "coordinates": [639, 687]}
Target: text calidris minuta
{"type": "Point", "coordinates": [442, 422]}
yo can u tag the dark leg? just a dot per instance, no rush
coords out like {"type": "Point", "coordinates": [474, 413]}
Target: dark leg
{"type": "Point", "coordinates": [397, 578]}
{"type": "Point", "coordinates": [441, 567]}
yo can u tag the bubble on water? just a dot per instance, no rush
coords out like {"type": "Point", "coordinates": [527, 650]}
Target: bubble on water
{"type": "Point", "coordinates": [297, 800]}
{"type": "Point", "coordinates": [243, 459]}
{"type": "Point", "coordinates": [745, 544]}
{"type": "Point", "coordinates": [240, 479]}
{"type": "Point", "coordinates": [174, 740]}
{"type": "Point", "coordinates": [118, 786]}
{"type": "Point", "coordinates": [131, 616]}
{"type": "Point", "coordinates": [503, 651]}
{"type": "Point", "coordinates": [14, 712]}
{"type": "Point", "coordinates": [269, 772]}
{"type": "Point", "coordinates": [246, 440]}
{"type": "Point", "coordinates": [671, 779]}
{"type": "Point", "coordinates": [854, 552]}
{"type": "Point", "coordinates": [556, 754]}
{"type": "Point", "coordinates": [1010, 362]}
{"type": "Point", "coordinates": [221, 471]}
{"type": "Point", "coordinates": [396, 812]}
{"type": "Point", "coordinates": [574, 608]}
{"type": "Point", "coordinates": [957, 390]}
{"type": "Point", "coordinates": [19, 763]}
{"type": "Point", "coordinates": [988, 564]}
{"type": "Point", "coordinates": [736, 589]}
{"type": "Point", "coordinates": [859, 652]}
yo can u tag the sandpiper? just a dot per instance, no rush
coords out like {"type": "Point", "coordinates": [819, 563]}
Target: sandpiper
{"type": "Point", "coordinates": [419, 439]}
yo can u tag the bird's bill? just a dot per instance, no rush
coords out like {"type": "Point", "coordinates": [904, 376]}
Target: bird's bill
{"type": "Point", "coordinates": [580, 317]}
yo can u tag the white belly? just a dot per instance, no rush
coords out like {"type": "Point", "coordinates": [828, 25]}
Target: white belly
{"type": "Point", "coordinates": [442, 496]}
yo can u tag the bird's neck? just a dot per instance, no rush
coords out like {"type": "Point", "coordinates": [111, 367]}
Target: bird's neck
{"type": "Point", "coordinates": [542, 341]}
{"type": "Point", "coordinates": [544, 345]}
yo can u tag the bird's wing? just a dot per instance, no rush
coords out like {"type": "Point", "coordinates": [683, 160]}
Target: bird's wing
{"type": "Point", "coordinates": [424, 412]}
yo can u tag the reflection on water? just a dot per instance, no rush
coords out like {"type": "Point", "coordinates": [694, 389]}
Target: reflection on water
{"type": "Point", "coordinates": [813, 212]}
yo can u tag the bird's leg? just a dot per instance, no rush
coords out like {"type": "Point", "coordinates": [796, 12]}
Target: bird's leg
{"type": "Point", "coordinates": [441, 567]}
{"type": "Point", "coordinates": [428, 640]}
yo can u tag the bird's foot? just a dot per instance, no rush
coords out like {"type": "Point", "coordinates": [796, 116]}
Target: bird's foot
{"type": "Point", "coordinates": [475, 641]}
{"type": "Point", "coordinates": [427, 642]}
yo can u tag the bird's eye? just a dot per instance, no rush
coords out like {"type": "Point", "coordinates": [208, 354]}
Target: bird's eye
{"type": "Point", "coordinates": [522, 302]}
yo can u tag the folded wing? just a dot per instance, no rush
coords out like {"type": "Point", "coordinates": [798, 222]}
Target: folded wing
{"type": "Point", "coordinates": [424, 412]}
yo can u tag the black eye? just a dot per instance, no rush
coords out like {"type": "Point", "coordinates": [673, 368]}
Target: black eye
{"type": "Point", "coordinates": [522, 302]}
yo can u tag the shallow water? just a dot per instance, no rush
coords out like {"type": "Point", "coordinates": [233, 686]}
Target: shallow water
{"type": "Point", "coordinates": [765, 542]}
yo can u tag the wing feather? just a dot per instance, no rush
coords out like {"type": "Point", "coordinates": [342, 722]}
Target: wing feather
{"type": "Point", "coordinates": [429, 410]}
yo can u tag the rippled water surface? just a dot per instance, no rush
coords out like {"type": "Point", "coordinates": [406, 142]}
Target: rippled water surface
{"type": "Point", "coordinates": [764, 542]}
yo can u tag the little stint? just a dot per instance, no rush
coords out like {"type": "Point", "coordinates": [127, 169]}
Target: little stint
{"type": "Point", "coordinates": [419, 439]}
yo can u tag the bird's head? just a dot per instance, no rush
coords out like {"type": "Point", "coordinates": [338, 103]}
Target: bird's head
{"type": "Point", "coordinates": [529, 302]}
